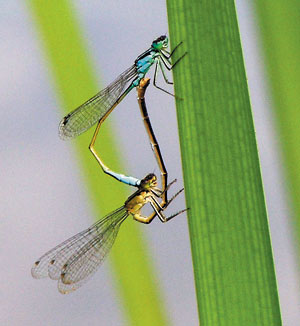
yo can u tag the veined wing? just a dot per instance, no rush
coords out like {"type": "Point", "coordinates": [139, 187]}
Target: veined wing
{"type": "Point", "coordinates": [77, 258]}
{"type": "Point", "coordinates": [87, 114]}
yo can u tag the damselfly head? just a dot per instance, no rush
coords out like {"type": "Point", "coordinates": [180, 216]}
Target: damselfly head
{"type": "Point", "coordinates": [161, 43]}
{"type": "Point", "coordinates": [149, 181]}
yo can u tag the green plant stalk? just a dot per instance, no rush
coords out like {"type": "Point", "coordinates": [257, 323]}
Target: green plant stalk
{"type": "Point", "coordinates": [231, 248]}
{"type": "Point", "coordinates": [75, 82]}
{"type": "Point", "coordinates": [279, 27]}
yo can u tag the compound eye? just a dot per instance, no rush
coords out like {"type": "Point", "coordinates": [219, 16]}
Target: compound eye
{"type": "Point", "coordinates": [154, 180]}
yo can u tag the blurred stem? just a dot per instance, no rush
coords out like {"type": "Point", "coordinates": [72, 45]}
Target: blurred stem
{"type": "Point", "coordinates": [231, 249]}
{"type": "Point", "coordinates": [280, 29]}
{"type": "Point", "coordinates": [75, 82]}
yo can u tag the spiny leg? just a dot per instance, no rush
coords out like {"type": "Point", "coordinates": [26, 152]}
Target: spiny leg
{"type": "Point", "coordinates": [168, 202]}
{"type": "Point", "coordinates": [172, 52]}
{"type": "Point", "coordinates": [154, 79]}
{"type": "Point", "coordinates": [159, 210]}
{"type": "Point", "coordinates": [166, 189]}
{"type": "Point", "coordinates": [168, 64]}
{"type": "Point", "coordinates": [164, 74]}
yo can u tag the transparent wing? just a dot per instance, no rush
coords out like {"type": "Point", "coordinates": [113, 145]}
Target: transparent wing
{"type": "Point", "coordinates": [40, 267]}
{"type": "Point", "coordinates": [76, 259]}
{"type": "Point", "coordinates": [87, 114]}
{"type": "Point", "coordinates": [82, 265]}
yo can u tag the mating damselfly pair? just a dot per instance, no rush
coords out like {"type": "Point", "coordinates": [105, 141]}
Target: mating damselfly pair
{"type": "Point", "coordinates": [75, 260]}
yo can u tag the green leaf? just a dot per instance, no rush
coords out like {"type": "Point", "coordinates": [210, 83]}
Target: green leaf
{"type": "Point", "coordinates": [231, 249]}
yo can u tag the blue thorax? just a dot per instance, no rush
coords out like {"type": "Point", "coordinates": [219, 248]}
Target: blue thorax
{"type": "Point", "coordinates": [143, 63]}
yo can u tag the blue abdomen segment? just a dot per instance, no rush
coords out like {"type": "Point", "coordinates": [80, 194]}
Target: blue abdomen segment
{"type": "Point", "coordinates": [131, 181]}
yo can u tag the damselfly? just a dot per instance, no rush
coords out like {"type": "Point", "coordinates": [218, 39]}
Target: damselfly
{"type": "Point", "coordinates": [99, 107]}
{"type": "Point", "coordinates": [75, 260]}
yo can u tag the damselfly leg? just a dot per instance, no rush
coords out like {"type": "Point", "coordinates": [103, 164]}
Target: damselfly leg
{"type": "Point", "coordinates": [164, 59]}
